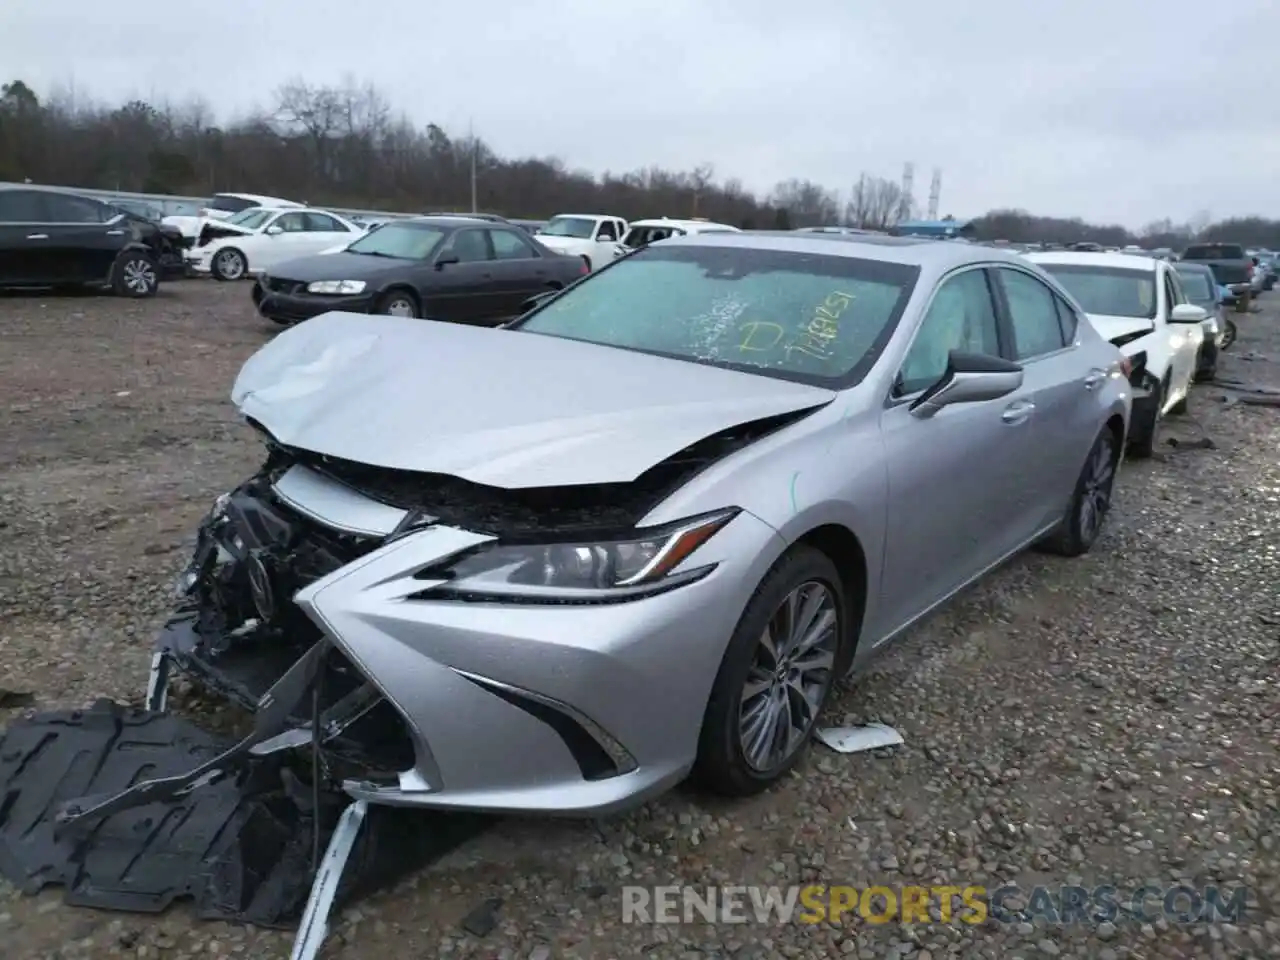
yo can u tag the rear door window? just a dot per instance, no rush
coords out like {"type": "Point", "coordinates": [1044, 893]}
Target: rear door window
{"type": "Point", "coordinates": [22, 206]}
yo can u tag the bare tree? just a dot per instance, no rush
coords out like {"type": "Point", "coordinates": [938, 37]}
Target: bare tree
{"type": "Point", "coordinates": [344, 145]}
{"type": "Point", "coordinates": [875, 203]}
{"type": "Point", "coordinates": [807, 204]}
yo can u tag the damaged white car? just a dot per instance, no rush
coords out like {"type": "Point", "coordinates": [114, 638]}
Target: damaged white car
{"type": "Point", "coordinates": [261, 237]}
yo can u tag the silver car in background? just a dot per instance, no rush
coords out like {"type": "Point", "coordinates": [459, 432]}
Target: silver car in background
{"type": "Point", "coordinates": [642, 532]}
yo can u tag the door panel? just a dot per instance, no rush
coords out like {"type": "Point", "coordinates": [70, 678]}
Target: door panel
{"type": "Point", "coordinates": [957, 498]}
{"type": "Point", "coordinates": [952, 478]}
{"type": "Point", "coordinates": [83, 253]}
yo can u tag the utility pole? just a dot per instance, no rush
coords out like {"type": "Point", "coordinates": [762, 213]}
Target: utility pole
{"type": "Point", "coordinates": [471, 136]}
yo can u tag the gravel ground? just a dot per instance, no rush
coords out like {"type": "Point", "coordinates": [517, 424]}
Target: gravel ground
{"type": "Point", "coordinates": [1109, 720]}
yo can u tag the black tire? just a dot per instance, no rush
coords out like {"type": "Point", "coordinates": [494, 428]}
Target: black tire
{"type": "Point", "coordinates": [1091, 499]}
{"type": "Point", "coordinates": [722, 766]}
{"type": "Point", "coordinates": [1180, 408]}
{"type": "Point", "coordinates": [1229, 335]}
{"type": "Point", "coordinates": [229, 264]}
{"type": "Point", "coordinates": [134, 275]}
{"type": "Point", "coordinates": [1145, 446]}
{"type": "Point", "coordinates": [398, 303]}
{"type": "Point", "coordinates": [587, 261]}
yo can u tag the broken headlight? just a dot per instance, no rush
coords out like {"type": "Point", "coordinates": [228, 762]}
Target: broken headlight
{"type": "Point", "coordinates": [639, 565]}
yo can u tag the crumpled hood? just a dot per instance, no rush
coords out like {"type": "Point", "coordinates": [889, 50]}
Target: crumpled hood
{"type": "Point", "coordinates": [1113, 328]}
{"type": "Point", "coordinates": [496, 407]}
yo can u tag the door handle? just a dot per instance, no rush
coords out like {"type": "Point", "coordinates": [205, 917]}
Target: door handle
{"type": "Point", "coordinates": [115, 233]}
{"type": "Point", "coordinates": [1094, 379]}
{"type": "Point", "coordinates": [37, 236]}
{"type": "Point", "coordinates": [1018, 412]}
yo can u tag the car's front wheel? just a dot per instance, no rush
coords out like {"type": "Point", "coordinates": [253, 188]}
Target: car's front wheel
{"type": "Point", "coordinates": [229, 264]}
{"type": "Point", "coordinates": [775, 678]}
{"type": "Point", "coordinates": [398, 303]}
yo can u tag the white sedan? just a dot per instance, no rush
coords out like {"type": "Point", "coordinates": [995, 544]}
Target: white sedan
{"type": "Point", "coordinates": [258, 239]}
{"type": "Point", "coordinates": [1139, 305]}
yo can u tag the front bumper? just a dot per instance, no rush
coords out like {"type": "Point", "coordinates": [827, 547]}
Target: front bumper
{"type": "Point", "coordinates": [292, 304]}
{"type": "Point", "coordinates": [518, 708]}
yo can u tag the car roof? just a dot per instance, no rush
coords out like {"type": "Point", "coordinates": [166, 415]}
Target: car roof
{"type": "Point", "coordinates": [1119, 261]}
{"type": "Point", "coordinates": [450, 220]}
{"type": "Point", "coordinates": [1192, 266]}
{"type": "Point", "coordinates": [270, 201]}
{"type": "Point", "coordinates": [911, 251]}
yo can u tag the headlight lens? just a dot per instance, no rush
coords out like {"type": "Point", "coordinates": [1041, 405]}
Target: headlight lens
{"type": "Point", "coordinates": [638, 566]}
{"type": "Point", "coordinates": [336, 286]}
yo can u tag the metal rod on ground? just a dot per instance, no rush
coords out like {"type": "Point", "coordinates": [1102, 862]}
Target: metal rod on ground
{"type": "Point", "coordinates": [315, 918]}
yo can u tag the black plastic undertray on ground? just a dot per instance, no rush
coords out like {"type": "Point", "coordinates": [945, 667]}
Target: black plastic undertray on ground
{"type": "Point", "coordinates": [241, 849]}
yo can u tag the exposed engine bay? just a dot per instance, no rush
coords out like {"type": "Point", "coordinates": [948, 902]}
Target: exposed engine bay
{"type": "Point", "coordinates": [245, 822]}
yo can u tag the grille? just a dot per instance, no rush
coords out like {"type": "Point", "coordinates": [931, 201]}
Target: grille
{"type": "Point", "coordinates": [277, 285]}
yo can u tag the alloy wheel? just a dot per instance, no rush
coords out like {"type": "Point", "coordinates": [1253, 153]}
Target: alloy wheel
{"type": "Point", "coordinates": [1095, 498]}
{"type": "Point", "coordinates": [231, 264]}
{"type": "Point", "coordinates": [790, 674]}
{"type": "Point", "coordinates": [139, 276]}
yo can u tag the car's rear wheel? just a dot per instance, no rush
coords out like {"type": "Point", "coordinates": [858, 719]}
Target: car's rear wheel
{"type": "Point", "coordinates": [775, 678]}
{"type": "Point", "coordinates": [229, 264]}
{"type": "Point", "coordinates": [1090, 501]}
{"type": "Point", "coordinates": [134, 275]}
{"type": "Point", "coordinates": [398, 303]}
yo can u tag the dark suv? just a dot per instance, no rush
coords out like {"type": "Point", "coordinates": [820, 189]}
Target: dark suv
{"type": "Point", "coordinates": [54, 239]}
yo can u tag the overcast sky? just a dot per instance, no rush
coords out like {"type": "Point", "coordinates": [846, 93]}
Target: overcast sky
{"type": "Point", "coordinates": [1113, 110]}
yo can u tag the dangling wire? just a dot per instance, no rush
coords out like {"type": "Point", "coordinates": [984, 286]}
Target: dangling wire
{"type": "Point", "coordinates": [315, 773]}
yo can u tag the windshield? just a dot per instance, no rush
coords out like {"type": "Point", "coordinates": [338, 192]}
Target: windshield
{"type": "Point", "coordinates": [579, 227]}
{"type": "Point", "coordinates": [795, 316]}
{"type": "Point", "coordinates": [401, 240]}
{"type": "Point", "coordinates": [1196, 285]}
{"type": "Point", "coordinates": [1109, 291]}
{"type": "Point", "coordinates": [250, 219]}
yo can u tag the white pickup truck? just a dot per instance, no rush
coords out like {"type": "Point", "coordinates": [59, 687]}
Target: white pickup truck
{"type": "Point", "coordinates": [594, 238]}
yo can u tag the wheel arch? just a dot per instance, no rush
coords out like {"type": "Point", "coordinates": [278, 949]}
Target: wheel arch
{"type": "Point", "coordinates": [843, 548]}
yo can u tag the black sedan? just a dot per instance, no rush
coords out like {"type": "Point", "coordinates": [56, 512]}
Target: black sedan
{"type": "Point", "coordinates": [446, 268]}
{"type": "Point", "coordinates": [53, 239]}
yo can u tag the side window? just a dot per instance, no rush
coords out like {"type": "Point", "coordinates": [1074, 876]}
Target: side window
{"type": "Point", "coordinates": [508, 245]}
{"type": "Point", "coordinates": [468, 246]}
{"type": "Point", "coordinates": [63, 209]}
{"type": "Point", "coordinates": [322, 223]}
{"type": "Point", "coordinates": [961, 317]}
{"type": "Point", "coordinates": [606, 231]}
{"type": "Point", "coordinates": [291, 222]}
{"type": "Point", "coordinates": [1067, 319]}
{"type": "Point", "coordinates": [1036, 327]}
{"type": "Point", "coordinates": [22, 206]}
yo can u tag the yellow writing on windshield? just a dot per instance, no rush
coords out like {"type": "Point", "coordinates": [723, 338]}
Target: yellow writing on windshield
{"type": "Point", "coordinates": [759, 336]}
{"type": "Point", "coordinates": [814, 338]}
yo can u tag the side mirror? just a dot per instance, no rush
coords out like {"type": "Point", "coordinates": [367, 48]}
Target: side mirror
{"type": "Point", "coordinates": [445, 259]}
{"type": "Point", "coordinates": [274, 231]}
{"type": "Point", "coordinates": [1188, 313]}
{"type": "Point", "coordinates": [969, 378]}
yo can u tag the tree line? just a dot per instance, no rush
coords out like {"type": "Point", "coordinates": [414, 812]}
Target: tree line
{"type": "Point", "coordinates": [344, 145]}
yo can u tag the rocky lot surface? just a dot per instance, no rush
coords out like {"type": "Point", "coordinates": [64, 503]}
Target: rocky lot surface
{"type": "Point", "coordinates": [1112, 720]}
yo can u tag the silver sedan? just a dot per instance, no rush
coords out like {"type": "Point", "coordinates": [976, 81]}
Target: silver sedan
{"type": "Point", "coordinates": [641, 532]}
